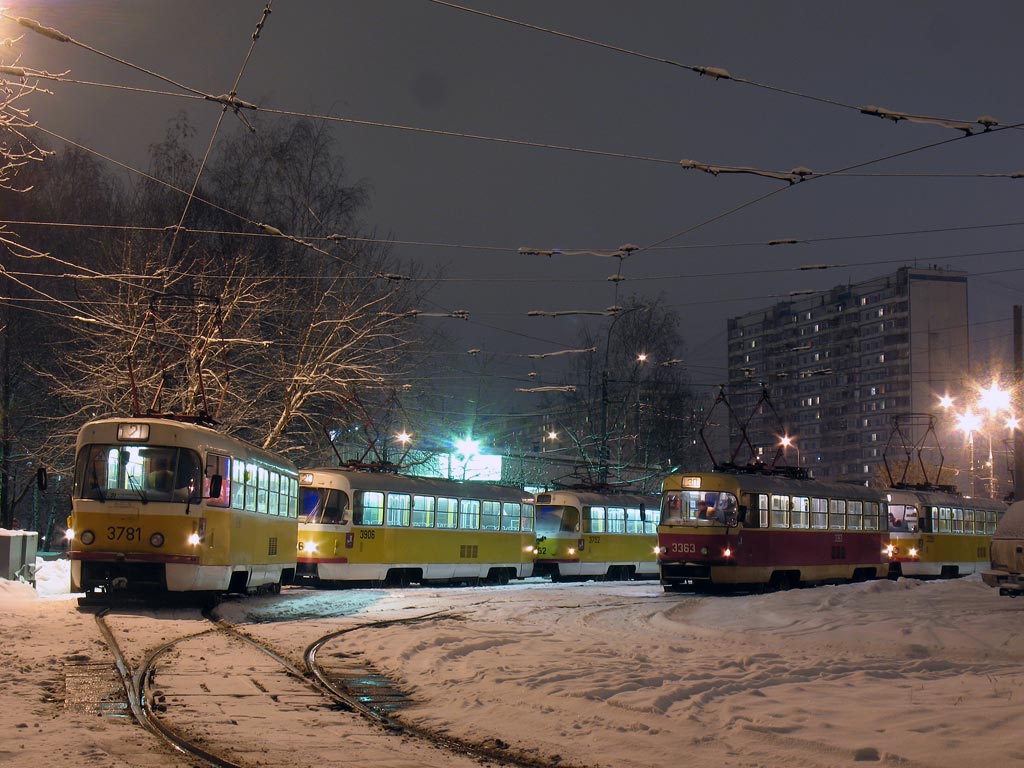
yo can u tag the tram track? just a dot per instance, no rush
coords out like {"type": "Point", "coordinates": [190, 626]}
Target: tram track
{"type": "Point", "coordinates": [157, 707]}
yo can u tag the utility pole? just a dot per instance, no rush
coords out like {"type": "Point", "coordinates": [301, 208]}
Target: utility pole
{"type": "Point", "coordinates": [602, 456]}
{"type": "Point", "coordinates": [1018, 403]}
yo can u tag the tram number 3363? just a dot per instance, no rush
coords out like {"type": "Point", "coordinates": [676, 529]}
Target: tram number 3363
{"type": "Point", "coordinates": [686, 548]}
{"type": "Point", "coordinates": [123, 533]}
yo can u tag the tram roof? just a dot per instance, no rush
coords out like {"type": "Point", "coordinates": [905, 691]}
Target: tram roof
{"type": "Point", "coordinates": [359, 480]}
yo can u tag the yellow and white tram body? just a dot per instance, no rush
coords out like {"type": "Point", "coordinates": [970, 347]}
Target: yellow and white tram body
{"type": "Point", "coordinates": [586, 534]}
{"type": "Point", "coordinates": [768, 530]}
{"type": "Point", "coordinates": [143, 518]}
{"type": "Point", "coordinates": [358, 526]}
{"type": "Point", "coordinates": [938, 533]}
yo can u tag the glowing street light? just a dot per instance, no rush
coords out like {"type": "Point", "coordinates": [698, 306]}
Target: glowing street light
{"type": "Point", "coordinates": [786, 441]}
{"type": "Point", "coordinates": [403, 437]}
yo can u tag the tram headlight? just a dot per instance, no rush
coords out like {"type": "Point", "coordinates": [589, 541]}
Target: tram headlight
{"type": "Point", "coordinates": [704, 551]}
{"type": "Point", "coordinates": [531, 550]}
{"type": "Point", "coordinates": [659, 550]}
{"type": "Point", "coordinates": [157, 539]}
{"type": "Point", "coordinates": [890, 550]}
{"type": "Point", "coordinates": [913, 552]}
{"type": "Point", "coordinates": [193, 539]}
{"type": "Point", "coordinates": [572, 550]}
{"type": "Point", "coordinates": [727, 552]}
{"type": "Point", "coordinates": [311, 547]}
{"type": "Point", "coordinates": [69, 534]}
{"type": "Point", "coordinates": [87, 537]}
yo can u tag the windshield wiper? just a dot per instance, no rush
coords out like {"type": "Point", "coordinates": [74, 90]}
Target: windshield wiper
{"type": "Point", "coordinates": [96, 484]}
{"type": "Point", "coordinates": [137, 489]}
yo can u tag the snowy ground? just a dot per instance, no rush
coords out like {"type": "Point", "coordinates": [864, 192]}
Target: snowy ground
{"type": "Point", "coordinates": [903, 673]}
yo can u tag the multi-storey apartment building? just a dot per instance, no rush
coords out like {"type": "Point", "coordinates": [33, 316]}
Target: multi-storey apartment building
{"type": "Point", "coordinates": [839, 364]}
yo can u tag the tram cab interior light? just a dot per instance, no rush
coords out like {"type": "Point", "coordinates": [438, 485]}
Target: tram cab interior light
{"type": "Point", "coordinates": [193, 539]}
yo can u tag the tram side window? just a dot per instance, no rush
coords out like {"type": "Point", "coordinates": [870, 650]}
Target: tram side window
{"type": "Point", "coordinates": [422, 511]}
{"type": "Point", "coordinates": [651, 519]}
{"type": "Point", "coordinates": [945, 519]}
{"type": "Point", "coordinates": [469, 514]}
{"type": "Point", "coordinates": [594, 520]}
{"type": "Point", "coordinates": [969, 521]}
{"type": "Point", "coordinates": [528, 515]}
{"type": "Point", "coordinates": [262, 486]}
{"type": "Point", "coordinates": [633, 522]}
{"type": "Point", "coordinates": [447, 513]}
{"type": "Point", "coordinates": [928, 521]}
{"type": "Point", "coordinates": [217, 464]}
{"type": "Point", "coordinates": [250, 487]}
{"type": "Point", "coordinates": [957, 518]}
{"type": "Point", "coordinates": [780, 511]}
{"type": "Point", "coordinates": [399, 506]}
{"type": "Point", "coordinates": [369, 508]}
{"type": "Point", "coordinates": [490, 515]}
{"type": "Point", "coordinates": [993, 518]}
{"type": "Point", "coordinates": [238, 484]}
{"type": "Point", "coordinates": [759, 504]}
{"type": "Point", "coordinates": [293, 497]}
{"type": "Point", "coordinates": [836, 514]}
{"type": "Point", "coordinates": [871, 516]}
{"type": "Point", "coordinates": [854, 515]}
{"type": "Point", "coordinates": [274, 494]}
{"type": "Point", "coordinates": [819, 513]}
{"type": "Point", "coordinates": [616, 520]}
{"type": "Point", "coordinates": [511, 516]}
{"type": "Point", "coordinates": [800, 517]}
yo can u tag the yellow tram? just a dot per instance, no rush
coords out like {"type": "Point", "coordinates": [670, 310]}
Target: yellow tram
{"type": "Point", "coordinates": [164, 505]}
{"type": "Point", "coordinates": [358, 526]}
{"type": "Point", "coordinates": [586, 534]}
{"type": "Point", "coordinates": [937, 532]}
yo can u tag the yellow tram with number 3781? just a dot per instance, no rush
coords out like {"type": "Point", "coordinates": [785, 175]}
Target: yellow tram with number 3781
{"type": "Point", "coordinates": [162, 505]}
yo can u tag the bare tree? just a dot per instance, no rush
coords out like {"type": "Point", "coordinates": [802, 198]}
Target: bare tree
{"type": "Point", "coordinates": [631, 408]}
{"type": "Point", "coordinates": [251, 314]}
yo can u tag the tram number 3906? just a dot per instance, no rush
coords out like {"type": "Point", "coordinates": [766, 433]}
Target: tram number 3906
{"type": "Point", "coordinates": [123, 533]}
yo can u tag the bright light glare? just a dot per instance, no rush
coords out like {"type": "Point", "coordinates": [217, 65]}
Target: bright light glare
{"type": "Point", "coordinates": [994, 399]}
{"type": "Point", "coordinates": [572, 551]}
{"type": "Point", "coordinates": [193, 539]}
{"type": "Point", "coordinates": [467, 447]}
{"type": "Point", "coordinates": [945, 401]}
{"type": "Point", "coordinates": [1012, 423]}
{"type": "Point", "coordinates": [642, 357]}
{"type": "Point", "coordinates": [403, 437]}
{"type": "Point", "coordinates": [69, 534]}
{"type": "Point", "coordinates": [552, 435]}
{"type": "Point", "coordinates": [969, 421]}
{"type": "Point", "coordinates": [727, 552]}
{"type": "Point", "coordinates": [913, 552]}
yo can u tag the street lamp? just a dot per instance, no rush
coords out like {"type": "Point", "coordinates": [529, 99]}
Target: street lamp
{"type": "Point", "coordinates": [786, 441]}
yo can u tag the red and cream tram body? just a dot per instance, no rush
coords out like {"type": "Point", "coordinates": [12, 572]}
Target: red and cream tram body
{"type": "Point", "coordinates": [358, 527]}
{"type": "Point", "coordinates": [168, 506]}
{"type": "Point", "coordinates": [586, 534]}
{"type": "Point", "coordinates": [768, 530]}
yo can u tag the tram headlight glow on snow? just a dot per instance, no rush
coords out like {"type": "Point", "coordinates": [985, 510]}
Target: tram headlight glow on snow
{"type": "Point", "coordinates": [87, 537]}
{"type": "Point", "coordinates": [157, 539]}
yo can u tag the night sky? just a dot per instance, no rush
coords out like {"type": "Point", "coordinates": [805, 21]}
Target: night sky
{"type": "Point", "coordinates": [430, 66]}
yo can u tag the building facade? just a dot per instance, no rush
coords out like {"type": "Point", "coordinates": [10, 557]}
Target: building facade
{"type": "Point", "coordinates": [836, 366]}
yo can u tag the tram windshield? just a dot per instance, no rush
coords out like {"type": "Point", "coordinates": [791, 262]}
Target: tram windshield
{"type": "Point", "coordinates": [903, 517]}
{"type": "Point", "coordinates": [557, 519]}
{"type": "Point", "coordinates": [699, 508]}
{"type": "Point", "coordinates": [144, 472]}
{"type": "Point", "coordinates": [324, 506]}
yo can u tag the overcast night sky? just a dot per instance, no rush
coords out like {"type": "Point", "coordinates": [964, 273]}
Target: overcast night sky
{"type": "Point", "coordinates": [430, 66]}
